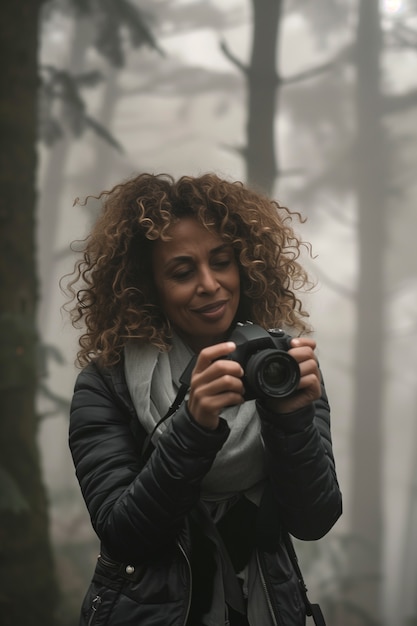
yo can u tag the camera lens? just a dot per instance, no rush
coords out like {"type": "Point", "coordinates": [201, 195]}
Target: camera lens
{"type": "Point", "coordinates": [272, 373]}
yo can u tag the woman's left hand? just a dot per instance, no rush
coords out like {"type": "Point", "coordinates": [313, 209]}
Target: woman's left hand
{"type": "Point", "coordinates": [309, 389]}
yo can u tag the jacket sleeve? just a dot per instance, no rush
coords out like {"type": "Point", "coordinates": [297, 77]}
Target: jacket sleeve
{"type": "Point", "coordinates": [135, 510]}
{"type": "Point", "coordinates": [301, 467]}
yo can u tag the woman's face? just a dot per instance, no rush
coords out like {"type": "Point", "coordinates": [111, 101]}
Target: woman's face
{"type": "Point", "coordinates": [197, 281]}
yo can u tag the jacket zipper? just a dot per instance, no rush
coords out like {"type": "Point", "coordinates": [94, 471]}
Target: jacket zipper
{"type": "Point", "coordinates": [265, 588]}
{"type": "Point", "coordinates": [94, 608]}
{"type": "Point", "coordinates": [227, 623]}
{"type": "Point", "coordinates": [191, 580]}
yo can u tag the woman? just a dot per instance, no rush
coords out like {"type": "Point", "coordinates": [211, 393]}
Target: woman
{"type": "Point", "coordinates": [192, 510]}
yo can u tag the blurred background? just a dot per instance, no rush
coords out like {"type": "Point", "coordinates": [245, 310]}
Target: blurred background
{"type": "Point", "coordinates": [313, 102]}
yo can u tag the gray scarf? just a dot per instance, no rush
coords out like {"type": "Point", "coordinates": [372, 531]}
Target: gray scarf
{"type": "Point", "coordinates": [153, 381]}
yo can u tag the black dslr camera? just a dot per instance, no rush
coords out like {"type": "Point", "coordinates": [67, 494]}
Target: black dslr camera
{"type": "Point", "coordinates": [270, 372]}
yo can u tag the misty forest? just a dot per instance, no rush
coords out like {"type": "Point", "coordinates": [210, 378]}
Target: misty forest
{"type": "Point", "coordinates": [315, 102]}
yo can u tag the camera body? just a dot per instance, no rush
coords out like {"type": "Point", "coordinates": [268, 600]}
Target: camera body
{"type": "Point", "coordinates": [269, 371]}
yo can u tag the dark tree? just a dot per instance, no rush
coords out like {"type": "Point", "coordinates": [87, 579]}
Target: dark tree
{"type": "Point", "coordinates": [261, 86]}
{"type": "Point", "coordinates": [262, 93]}
{"type": "Point", "coordinates": [28, 591]}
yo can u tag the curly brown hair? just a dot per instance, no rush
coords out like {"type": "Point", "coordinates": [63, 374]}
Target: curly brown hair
{"type": "Point", "coordinates": [111, 289]}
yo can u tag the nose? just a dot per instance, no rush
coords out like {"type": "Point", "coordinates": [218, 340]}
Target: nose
{"type": "Point", "coordinates": [207, 282]}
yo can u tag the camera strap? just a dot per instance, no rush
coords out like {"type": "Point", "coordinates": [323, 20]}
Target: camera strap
{"type": "Point", "coordinates": [185, 380]}
{"type": "Point", "coordinates": [312, 610]}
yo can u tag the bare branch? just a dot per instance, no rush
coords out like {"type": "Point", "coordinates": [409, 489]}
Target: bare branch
{"type": "Point", "coordinates": [344, 56]}
{"type": "Point", "coordinates": [239, 150]}
{"type": "Point", "coordinates": [307, 74]}
{"type": "Point", "coordinates": [232, 58]}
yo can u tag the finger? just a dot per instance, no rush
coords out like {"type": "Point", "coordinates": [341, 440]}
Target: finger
{"type": "Point", "coordinates": [303, 354]}
{"type": "Point", "coordinates": [309, 385]}
{"type": "Point", "coordinates": [212, 353]}
{"type": "Point", "coordinates": [220, 385]}
{"type": "Point", "coordinates": [215, 372]}
{"type": "Point", "coordinates": [207, 414]}
{"type": "Point", "coordinates": [303, 341]}
{"type": "Point", "coordinates": [216, 388]}
{"type": "Point", "coordinates": [206, 402]}
{"type": "Point", "coordinates": [213, 404]}
{"type": "Point", "coordinates": [308, 369]}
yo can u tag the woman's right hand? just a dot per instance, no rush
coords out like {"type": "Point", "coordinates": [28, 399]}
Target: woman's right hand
{"type": "Point", "coordinates": [215, 384]}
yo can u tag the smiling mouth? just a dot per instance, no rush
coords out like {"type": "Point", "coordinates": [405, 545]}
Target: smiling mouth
{"type": "Point", "coordinates": [211, 308]}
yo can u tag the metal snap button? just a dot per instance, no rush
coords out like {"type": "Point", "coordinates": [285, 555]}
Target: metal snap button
{"type": "Point", "coordinates": [129, 569]}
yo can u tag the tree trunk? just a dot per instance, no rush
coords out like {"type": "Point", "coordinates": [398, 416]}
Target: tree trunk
{"type": "Point", "coordinates": [262, 86]}
{"type": "Point", "coordinates": [370, 175]}
{"type": "Point", "coordinates": [28, 591]}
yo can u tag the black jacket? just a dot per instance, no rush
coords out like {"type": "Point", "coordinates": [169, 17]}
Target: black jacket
{"type": "Point", "coordinates": [142, 513]}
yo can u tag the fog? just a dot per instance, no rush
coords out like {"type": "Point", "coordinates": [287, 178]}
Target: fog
{"type": "Point", "coordinates": [184, 111]}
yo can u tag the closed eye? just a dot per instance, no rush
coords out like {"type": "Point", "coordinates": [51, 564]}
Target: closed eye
{"type": "Point", "coordinates": [182, 274]}
{"type": "Point", "coordinates": [221, 263]}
